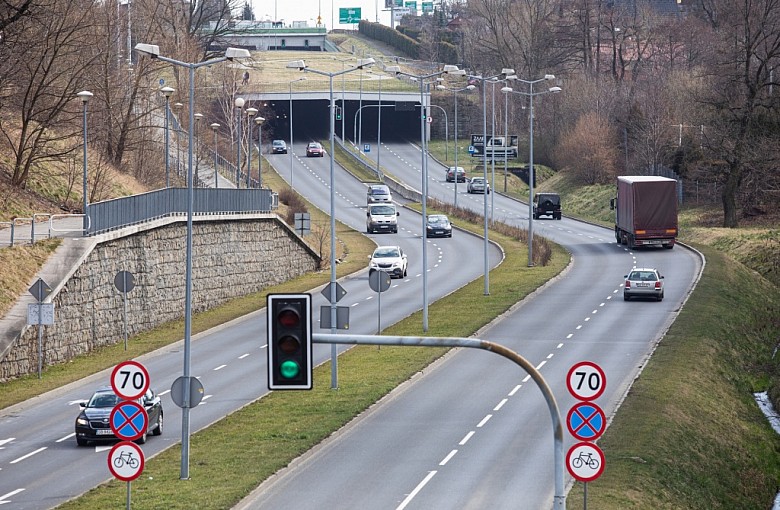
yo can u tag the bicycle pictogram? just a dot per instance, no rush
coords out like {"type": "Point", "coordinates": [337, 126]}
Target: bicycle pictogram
{"type": "Point", "coordinates": [126, 458]}
{"type": "Point", "coordinates": [584, 459]}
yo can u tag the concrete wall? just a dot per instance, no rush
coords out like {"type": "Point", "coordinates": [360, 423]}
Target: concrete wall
{"type": "Point", "coordinates": [231, 258]}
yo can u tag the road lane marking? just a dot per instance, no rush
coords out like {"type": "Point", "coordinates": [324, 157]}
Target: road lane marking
{"type": "Point", "coordinates": [466, 438]}
{"type": "Point", "coordinates": [515, 390]}
{"type": "Point", "coordinates": [484, 420]}
{"type": "Point", "coordinates": [526, 378]}
{"type": "Point", "coordinates": [65, 438]}
{"type": "Point", "coordinates": [448, 457]}
{"type": "Point", "coordinates": [417, 489]}
{"type": "Point", "coordinates": [39, 450]}
{"type": "Point", "coordinates": [219, 367]}
{"type": "Point", "coordinates": [243, 356]}
{"type": "Point", "coordinates": [3, 441]}
{"type": "Point", "coordinates": [500, 405]}
{"type": "Point", "coordinates": [559, 346]}
{"type": "Point", "coordinates": [4, 497]}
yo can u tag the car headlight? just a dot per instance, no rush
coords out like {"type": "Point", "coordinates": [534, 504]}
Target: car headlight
{"type": "Point", "coordinates": [81, 420]}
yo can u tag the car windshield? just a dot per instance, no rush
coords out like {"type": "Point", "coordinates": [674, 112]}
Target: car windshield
{"type": "Point", "coordinates": [378, 191]}
{"type": "Point", "coordinates": [381, 253]}
{"type": "Point", "coordinates": [314, 145]}
{"type": "Point", "coordinates": [477, 180]}
{"type": "Point", "coordinates": [382, 210]}
{"type": "Point", "coordinates": [278, 143]}
{"type": "Point", "coordinates": [645, 276]}
{"type": "Point", "coordinates": [437, 219]}
{"type": "Point", "coordinates": [103, 400]}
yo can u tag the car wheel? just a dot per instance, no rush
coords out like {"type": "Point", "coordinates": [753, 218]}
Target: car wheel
{"type": "Point", "coordinates": [158, 430]}
{"type": "Point", "coordinates": [625, 297]}
{"type": "Point", "coordinates": [81, 442]}
{"type": "Point", "coordinates": [404, 272]}
{"type": "Point", "coordinates": [142, 439]}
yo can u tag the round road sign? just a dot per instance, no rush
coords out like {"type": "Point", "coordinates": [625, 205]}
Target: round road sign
{"type": "Point", "coordinates": [129, 380]}
{"type": "Point", "coordinates": [126, 461]}
{"type": "Point", "coordinates": [586, 421]}
{"type": "Point", "coordinates": [585, 461]}
{"type": "Point", "coordinates": [128, 420]}
{"type": "Point", "coordinates": [586, 380]}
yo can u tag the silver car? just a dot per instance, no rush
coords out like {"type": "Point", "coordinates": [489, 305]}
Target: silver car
{"type": "Point", "coordinates": [478, 185]}
{"type": "Point", "coordinates": [644, 282]}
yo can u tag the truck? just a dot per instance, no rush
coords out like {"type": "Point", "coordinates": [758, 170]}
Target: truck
{"type": "Point", "coordinates": [498, 147]}
{"type": "Point", "coordinates": [645, 211]}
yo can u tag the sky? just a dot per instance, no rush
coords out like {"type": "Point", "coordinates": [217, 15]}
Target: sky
{"type": "Point", "coordinates": [308, 10]}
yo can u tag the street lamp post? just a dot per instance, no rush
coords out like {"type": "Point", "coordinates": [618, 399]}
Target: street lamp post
{"type": "Point", "coordinates": [177, 107]}
{"type": "Point", "coordinates": [196, 174]}
{"type": "Point", "coordinates": [239, 104]}
{"type": "Point", "coordinates": [259, 121]}
{"type": "Point", "coordinates": [291, 129]}
{"type": "Point", "coordinates": [301, 65]}
{"type": "Point", "coordinates": [215, 126]}
{"type": "Point", "coordinates": [421, 79]}
{"type": "Point", "coordinates": [531, 94]}
{"type": "Point", "coordinates": [483, 80]}
{"type": "Point", "coordinates": [153, 51]}
{"type": "Point", "coordinates": [85, 96]}
{"type": "Point", "coordinates": [455, 95]}
{"type": "Point", "coordinates": [250, 112]}
{"type": "Point", "coordinates": [167, 91]}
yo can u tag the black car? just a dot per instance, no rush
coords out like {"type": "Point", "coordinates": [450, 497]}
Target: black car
{"type": "Point", "coordinates": [278, 147]}
{"type": "Point", "coordinates": [438, 225]}
{"type": "Point", "coordinates": [547, 204]}
{"type": "Point", "coordinates": [92, 424]}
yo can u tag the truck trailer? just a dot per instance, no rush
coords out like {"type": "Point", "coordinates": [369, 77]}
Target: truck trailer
{"type": "Point", "coordinates": [645, 211]}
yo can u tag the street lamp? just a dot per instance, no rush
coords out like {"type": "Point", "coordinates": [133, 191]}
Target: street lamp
{"type": "Point", "coordinates": [250, 112]}
{"type": "Point", "coordinates": [448, 69]}
{"type": "Point", "coordinates": [167, 91]}
{"type": "Point", "coordinates": [239, 104]}
{"type": "Point", "coordinates": [468, 88]}
{"type": "Point", "coordinates": [85, 96]}
{"type": "Point", "coordinates": [504, 72]}
{"type": "Point", "coordinates": [153, 51]}
{"type": "Point", "coordinates": [301, 65]}
{"type": "Point", "coordinates": [177, 107]}
{"type": "Point", "coordinates": [291, 128]}
{"type": "Point", "coordinates": [531, 94]}
{"type": "Point", "coordinates": [197, 116]}
{"type": "Point", "coordinates": [214, 127]}
{"type": "Point", "coordinates": [259, 121]}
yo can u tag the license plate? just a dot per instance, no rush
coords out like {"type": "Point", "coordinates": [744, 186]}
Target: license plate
{"type": "Point", "coordinates": [104, 432]}
{"type": "Point", "coordinates": [642, 284]}
{"type": "Point", "coordinates": [438, 232]}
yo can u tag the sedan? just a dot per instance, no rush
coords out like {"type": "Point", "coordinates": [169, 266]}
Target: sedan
{"type": "Point", "coordinates": [279, 147]}
{"type": "Point", "coordinates": [453, 171]}
{"type": "Point", "coordinates": [390, 259]}
{"type": "Point", "coordinates": [438, 225]}
{"type": "Point", "coordinates": [93, 425]}
{"type": "Point", "coordinates": [645, 283]}
{"type": "Point", "coordinates": [315, 149]}
{"type": "Point", "coordinates": [478, 185]}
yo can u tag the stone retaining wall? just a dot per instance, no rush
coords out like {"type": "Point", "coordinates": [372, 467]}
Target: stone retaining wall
{"type": "Point", "coordinates": [231, 258]}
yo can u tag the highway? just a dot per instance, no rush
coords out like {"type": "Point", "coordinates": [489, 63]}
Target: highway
{"type": "Point", "coordinates": [40, 464]}
{"type": "Point", "coordinates": [473, 432]}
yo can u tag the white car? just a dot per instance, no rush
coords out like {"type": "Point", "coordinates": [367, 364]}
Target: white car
{"type": "Point", "coordinates": [478, 185]}
{"type": "Point", "coordinates": [644, 282]}
{"type": "Point", "coordinates": [390, 259]}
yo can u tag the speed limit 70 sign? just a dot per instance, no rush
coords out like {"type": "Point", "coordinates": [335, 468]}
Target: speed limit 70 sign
{"type": "Point", "coordinates": [586, 381]}
{"type": "Point", "coordinates": [129, 380]}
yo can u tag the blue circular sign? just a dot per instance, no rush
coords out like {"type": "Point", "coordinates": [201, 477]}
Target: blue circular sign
{"type": "Point", "coordinates": [128, 420]}
{"type": "Point", "coordinates": [586, 421]}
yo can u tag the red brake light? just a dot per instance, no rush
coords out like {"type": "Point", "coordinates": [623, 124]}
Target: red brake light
{"type": "Point", "coordinates": [628, 284]}
{"type": "Point", "coordinates": [658, 285]}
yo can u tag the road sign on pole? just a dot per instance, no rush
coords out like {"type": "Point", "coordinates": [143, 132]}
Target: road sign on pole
{"type": "Point", "coordinates": [129, 380]}
{"type": "Point", "coordinates": [126, 461]}
{"type": "Point", "coordinates": [128, 420]}
{"type": "Point", "coordinates": [586, 381]}
{"type": "Point", "coordinates": [585, 461]}
{"type": "Point", "coordinates": [586, 421]}
{"type": "Point", "coordinates": [349, 15]}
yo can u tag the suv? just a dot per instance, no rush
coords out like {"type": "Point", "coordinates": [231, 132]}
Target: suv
{"type": "Point", "coordinates": [278, 147]}
{"type": "Point", "coordinates": [378, 193]}
{"type": "Point", "coordinates": [547, 204]}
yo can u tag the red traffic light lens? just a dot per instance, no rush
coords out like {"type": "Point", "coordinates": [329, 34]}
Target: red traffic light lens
{"type": "Point", "coordinates": [289, 344]}
{"type": "Point", "coordinates": [289, 318]}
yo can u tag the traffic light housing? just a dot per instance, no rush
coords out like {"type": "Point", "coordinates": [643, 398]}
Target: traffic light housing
{"type": "Point", "coordinates": [289, 342]}
{"type": "Point", "coordinates": [338, 113]}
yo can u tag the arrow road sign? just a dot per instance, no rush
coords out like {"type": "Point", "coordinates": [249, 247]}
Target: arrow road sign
{"type": "Point", "coordinates": [586, 421]}
{"type": "Point", "coordinates": [586, 380]}
{"type": "Point", "coordinates": [585, 461]}
{"type": "Point", "coordinates": [128, 420]}
{"type": "Point", "coordinates": [126, 461]}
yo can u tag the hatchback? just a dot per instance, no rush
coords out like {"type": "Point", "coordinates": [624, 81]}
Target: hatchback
{"type": "Point", "coordinates": [644, 282]}
{"type": "Point", "coordinates": [314, 149]}
{"type": "Point", "coordinates": [438, 225]}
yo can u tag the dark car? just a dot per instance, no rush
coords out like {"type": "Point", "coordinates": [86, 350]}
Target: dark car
{"type": "Point", "coordinates": [93, 425]}
{"type": "Point", "coordinates": [452, 171]}
{"type": "Point", "coordinates": [314, 149]}
{"type": "Point", "coordinates": [547, 204]}
{"type": "Point", "coordinates": [438, 225]}
{"type": "Point", "coordinates": [279, 147]}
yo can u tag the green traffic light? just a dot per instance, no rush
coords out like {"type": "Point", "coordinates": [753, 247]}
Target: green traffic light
{"type": "Point", "coordinates": [289, 369]}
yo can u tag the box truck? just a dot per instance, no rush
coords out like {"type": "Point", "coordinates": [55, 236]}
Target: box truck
{"type": "Point", "coordinates": [645, 211]}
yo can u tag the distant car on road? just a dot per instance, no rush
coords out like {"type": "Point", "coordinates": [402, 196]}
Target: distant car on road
{"type": "Point", "coordinates": [478, 185]}
{"type": "Point", "coordinates": [92, 423]}
{"type": "Point", "coordinates": [314, 149]}
{"type": "Point", "coordinates": [644, 282]}
{"type": "Point", "coordinates": [279, 147]}
{"type": "Point", "coordinates": [390, 259]}
{"type": "Point", "coordinates": [452, 171]}
{"type": "Point", "coordinates": [547, 204]}
{"type": "Point", "coordinates": [438, 225]}
{"type": "Point", "coordinates": [378, 193]}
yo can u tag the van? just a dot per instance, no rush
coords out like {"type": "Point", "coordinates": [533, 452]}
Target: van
{"type": "Point", "coordinates": [378, 193]}
{"type": "Point", "coordinates": [382, 217]}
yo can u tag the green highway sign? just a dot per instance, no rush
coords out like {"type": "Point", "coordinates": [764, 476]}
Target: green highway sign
{"type": "Point", "coordinates": [411, 5]}
{"type": "Point", "coordinates": [427, 7]}
{"type": "Point", "coordinates": [349, 15]}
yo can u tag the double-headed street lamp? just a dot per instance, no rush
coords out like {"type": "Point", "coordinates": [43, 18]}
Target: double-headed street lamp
{"type": "Point", "coordinates": [483, 80]}
{"type": "Point", "coordinates": [421, 79]}
{"type": "Point", "coordinates": [250, 112]}
{"type": "Point", "coordinates": [259, 121]}
{"type": "Point", "coordinates": [85, 96]}
{"type": "Point", "coordinates": [214, 127]}
{"type": "Point", "coordinates": [153, 51]}
{"type": "Point", "coordinates": [531, 94]}
{"type": "Point", "coordinates": [167, 91]}
{"type": "Point", "coordinates": [301, 65]}
{"type": "Point", "coordinates": [455, 95]}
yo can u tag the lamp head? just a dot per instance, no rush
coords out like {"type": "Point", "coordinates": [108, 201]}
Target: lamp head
{"type": "Point", "coordinates": [470, 87]}
{"type": "Point", "coordinates": [507, 71]}
{"type": "Point", "coordinates": [511, 77]}
{"type": "Point", "coordinates": [234, 53]}
{"type": "Point", "coordinates": [440, 87]}
{"type": "Point", "coordinates": [554, 90]}
{"type": "Point", "coordinates": [365, 62]}
{"type": "Point", "coordinates": [214, 125]}
{"type": "Point", "coordinates": [84, 95]}
{"type": "Point", "coordinates": [239, 102]}
{"type": "Point", "coordinates": [297, 64]}
{"type": "Point", "coordinates": [506, 90]}
{"type": "Point", "coordinates": [197, 116]}
{"type": "Point", "coordinates": [259, 120]}
{"type": "Point", "coordinates": [396, 70]}
{"type": "Point", "coordinates": [151, 50]}
{"type": "Point", "coordinates": [251, 111]}
{"type": "Point", "coordinates": [449, 69]}
{"type": "Point", "coordinates": [176, 106]}
{"type": "Point", "coordinates": [167, 91]}
{"type": "Point", "coordinates": [549, 77]}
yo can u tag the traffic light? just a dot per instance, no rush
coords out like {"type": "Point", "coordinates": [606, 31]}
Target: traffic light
{"type": "Point", "coordinates": [289, 342]}
{"type": "Point", "coordinates": [338, 113]}
{"type": "Point", "coordinates": [424, 113]}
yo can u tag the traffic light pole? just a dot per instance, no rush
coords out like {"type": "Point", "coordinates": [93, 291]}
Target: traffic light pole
{"type": "Point", "coordinates": [559, 498]}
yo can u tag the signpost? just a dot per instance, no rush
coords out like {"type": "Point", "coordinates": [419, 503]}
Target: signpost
{"type": "Point", "coordinates": [586, 381]}
{"type": "Point", "coordinates": [586, 421]}
{"type": "Point", "coordinates": [349, 15]}
{"type": "Point", "coordinates": [129, 380]}
{"type": "Point", "coordinates": [126, 461]}
{"type": "Point", "coordinates": [40, 314]}
{"type": "Point", "coordinates": [124, 281]}
{"type": "Point", "coordinates": [379, 281]}
{"type": "Point", "coordinates": [585, 462]}
{"type": "Point", "coordinates": [128, 420]}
